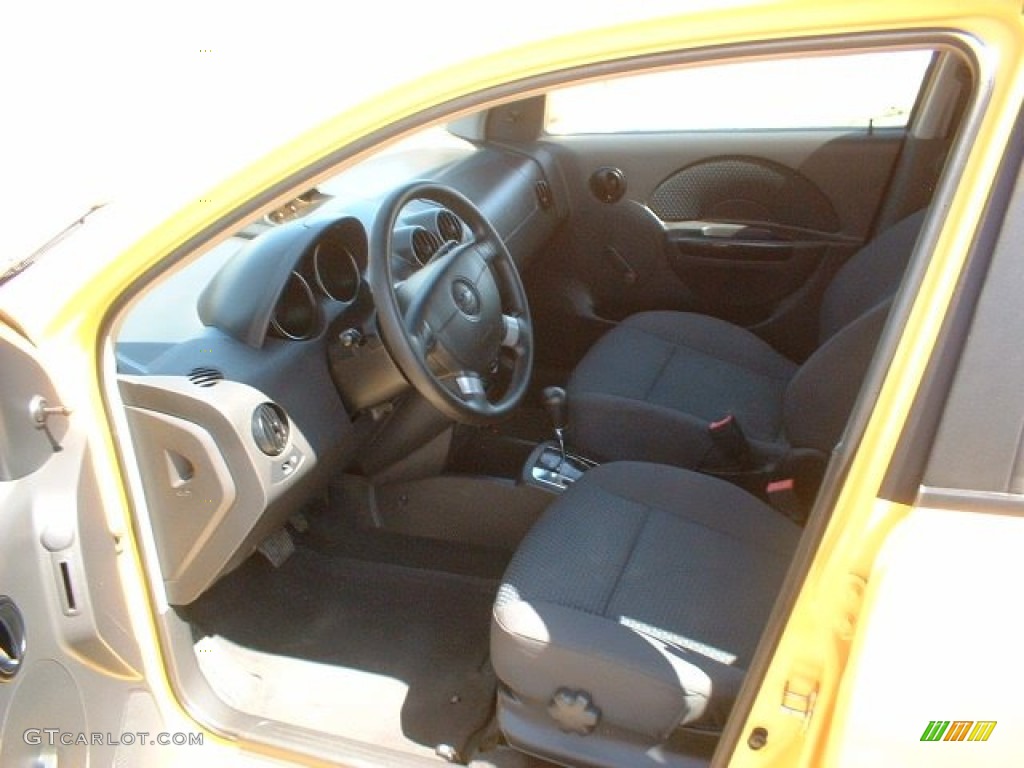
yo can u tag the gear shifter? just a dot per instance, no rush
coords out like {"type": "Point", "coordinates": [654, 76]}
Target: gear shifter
{"type": "Point", "coordinates": [553, 467]}
{"type": "Point", "coordinates": [556, 404]}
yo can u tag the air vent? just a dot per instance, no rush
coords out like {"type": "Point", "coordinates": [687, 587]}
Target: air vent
{"type": "Point", "coordinates": [205, 377]}
{"type": "Point", "coordinates": [449, 226]}
{"type": "Point", "coordinates": [424, 244]}
{"type": "Point", "coordinates": [543, 190]}
{"type": "Point", "coordinates": [270, 428]}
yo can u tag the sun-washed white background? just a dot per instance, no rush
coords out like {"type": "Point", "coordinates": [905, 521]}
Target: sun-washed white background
{"type": "Point", "coordinates": [108, 100]}
{"type": "Point", "coordinates": [98, 95]}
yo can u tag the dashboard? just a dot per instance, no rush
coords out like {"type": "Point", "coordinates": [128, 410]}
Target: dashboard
{"type": "Point", "coordinates": [256, 373]}
{"type": "Point", "coordinates": [293, 281]}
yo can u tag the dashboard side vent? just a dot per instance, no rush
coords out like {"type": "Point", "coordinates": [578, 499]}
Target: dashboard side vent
{"type": "Point", "coordinates": [205, 377]}
{"type": "Point", "coordinates": [424, 244]}
{"type": "Point", "coordinates": [270, 428]}
{"type": "Point", "coordinates": [449, 226]}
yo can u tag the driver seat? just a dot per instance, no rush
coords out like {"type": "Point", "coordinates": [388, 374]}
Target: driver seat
{"type": "Point", "coordinates": [631, 610]}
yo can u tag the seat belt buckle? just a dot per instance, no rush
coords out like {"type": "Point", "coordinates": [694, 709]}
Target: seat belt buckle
{"type": "Point", "coordinates": [783, 497]}
{"type": "Point", "coordinates": [728, 437]}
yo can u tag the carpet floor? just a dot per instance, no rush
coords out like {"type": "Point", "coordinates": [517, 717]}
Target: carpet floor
{"type": "Point", "coordinates": [380, 652]}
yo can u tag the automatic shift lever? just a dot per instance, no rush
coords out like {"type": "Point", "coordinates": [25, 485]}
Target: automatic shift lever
{"type": "Point", "coordinates": [541, 468]}
{"type": "Point", "coordinates": [556, 404]}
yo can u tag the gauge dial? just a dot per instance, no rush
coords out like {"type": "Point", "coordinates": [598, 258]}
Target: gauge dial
{"type": "Point", "coordinates": [336, 269]}
{"type": "Point", "coordinates": [295, 316]}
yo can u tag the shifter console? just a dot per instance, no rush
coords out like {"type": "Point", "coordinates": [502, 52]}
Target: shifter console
{"type": "Point", "coordinates": [551, 468]}
{"type": "Point", "coordinates": [550, 465]}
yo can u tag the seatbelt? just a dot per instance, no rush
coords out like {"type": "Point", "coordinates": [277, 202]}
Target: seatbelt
{"type": "Point", "coordinates": [794, 483]}
{"type": "Point", "coordinates": [727, 435]}
{"type": "Point", "coordinates": [782, 496]}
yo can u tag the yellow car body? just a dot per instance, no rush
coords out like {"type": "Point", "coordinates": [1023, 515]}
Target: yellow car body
{"type": "Point", "coordinates": [849, 671]}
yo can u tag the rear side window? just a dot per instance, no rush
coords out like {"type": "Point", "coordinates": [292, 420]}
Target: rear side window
{"type": "Point", "coordinates": [836, 91]}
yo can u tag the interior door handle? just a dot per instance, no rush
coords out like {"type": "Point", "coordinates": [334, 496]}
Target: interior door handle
{"type": "Point", "coordinates": [733, 231]}
{"type": "Point", "coordinates": [739, 249]}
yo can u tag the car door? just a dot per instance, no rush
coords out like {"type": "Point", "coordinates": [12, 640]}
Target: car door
{"type": "Point", "coordinates": [733, 190]}
{"type": "Point", "coordinates": [919, 587]}
{"type": "Point", "coordinates": [72, 692]}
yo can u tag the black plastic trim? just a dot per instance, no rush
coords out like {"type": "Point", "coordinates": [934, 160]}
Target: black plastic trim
{"type": "Point", "coordinates": [910, 459]}
{"type": "Point", "coordinates": [521, 120]}
{"type": "Point", "coordinates": [957, 500]}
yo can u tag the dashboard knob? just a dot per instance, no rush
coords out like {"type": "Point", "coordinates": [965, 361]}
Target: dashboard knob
{"type": "Point", "coordinates": [350, 338]}
{"type": "Point", "coordinates": [608, 184]}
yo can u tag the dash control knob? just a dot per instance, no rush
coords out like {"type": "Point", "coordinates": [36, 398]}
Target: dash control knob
{"type": "Point", "coordinates": [608, 184]}
{"type": "Point", "coordinates": [350, 338]}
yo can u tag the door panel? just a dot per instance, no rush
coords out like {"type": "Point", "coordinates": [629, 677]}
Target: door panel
{"type": "Point", "coordinates": [663, 236]}
{"type": "Point", "coordinates": [68, 660]}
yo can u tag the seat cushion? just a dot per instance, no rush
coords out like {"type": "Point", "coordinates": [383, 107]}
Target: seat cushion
{"type": "Point", "coordinates": [648, 389]}
{"type": "Point", "coordinates": [645, 586]}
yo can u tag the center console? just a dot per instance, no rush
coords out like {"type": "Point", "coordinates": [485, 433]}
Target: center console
{"type": "Point", "coordinates": [551, 466]}
{"type": "Point", "coordinates": [554, 470]}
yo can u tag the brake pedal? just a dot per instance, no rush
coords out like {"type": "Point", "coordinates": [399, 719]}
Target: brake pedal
{"type": "Point", "coordinates": [278, 547]}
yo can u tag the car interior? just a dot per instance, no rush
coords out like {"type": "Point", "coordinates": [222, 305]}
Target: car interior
{"type": "Point", "coordinates": [494, 447]}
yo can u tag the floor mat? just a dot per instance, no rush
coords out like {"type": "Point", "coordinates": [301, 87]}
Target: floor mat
{"type": "Point", "coordinates": [409, 646]}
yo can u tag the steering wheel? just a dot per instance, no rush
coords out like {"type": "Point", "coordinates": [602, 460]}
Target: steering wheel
{"type": "Point", "coordinates": [446, 325]}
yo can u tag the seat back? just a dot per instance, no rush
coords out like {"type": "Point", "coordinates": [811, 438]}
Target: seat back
{"type": "Point", "coordinates": [871, 276]}
{"type": "Point", "coordinates": [819, 398]}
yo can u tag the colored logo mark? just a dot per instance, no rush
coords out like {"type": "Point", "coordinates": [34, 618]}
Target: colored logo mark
{"type": "Point", "coordinates": [958, 730]}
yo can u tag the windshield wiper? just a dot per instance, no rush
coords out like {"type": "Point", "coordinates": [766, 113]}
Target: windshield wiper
{"type": "Point", "coordinates": [20, 266]}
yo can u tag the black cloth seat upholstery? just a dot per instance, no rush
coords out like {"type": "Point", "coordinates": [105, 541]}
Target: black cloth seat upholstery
{"type": "Point", "coordinates": [646, 587]}
{"type": "Point", "coordinates": [650, 387]}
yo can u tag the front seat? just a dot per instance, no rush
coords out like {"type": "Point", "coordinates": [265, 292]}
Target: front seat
{"type": "Point", "coordinates": [650, 388]}
{"type": "Point", "coordinates": [632, 608]}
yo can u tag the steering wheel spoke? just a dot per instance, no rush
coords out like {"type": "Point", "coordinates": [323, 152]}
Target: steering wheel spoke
{"type": "Point", "coordinates": [422, 337]}
{"type": "Point", "coordinates": [487, 251]}
{"type": "Point", "coordinates": [471, 386]}
{"type": "Point", "coordinates": [516, 332]}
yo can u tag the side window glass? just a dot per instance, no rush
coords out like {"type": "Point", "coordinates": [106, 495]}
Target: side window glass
{"type": "Point", "coordinates": [835, 91]}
